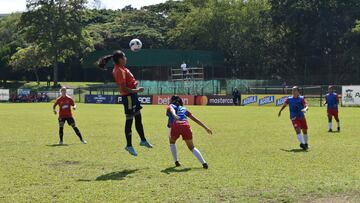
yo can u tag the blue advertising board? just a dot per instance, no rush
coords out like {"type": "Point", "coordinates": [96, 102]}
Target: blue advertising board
{"type": "Point", "coordinates": [100, 99]}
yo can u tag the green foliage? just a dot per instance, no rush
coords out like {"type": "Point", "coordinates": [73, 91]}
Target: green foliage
{"type": "Point", "coordinates": [298, 41]}
{"type": "Point", "coordinates": [56, 27]}
{"type": "Point", "coordinates": [10, 39]}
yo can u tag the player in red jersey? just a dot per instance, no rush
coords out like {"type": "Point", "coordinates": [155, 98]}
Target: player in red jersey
{"type": "Point", "coordinates": [65, 103]}
{"type": "Point", "coordinates": [178, 124]}
{"type": "Point", "coordinates": [129, 92]}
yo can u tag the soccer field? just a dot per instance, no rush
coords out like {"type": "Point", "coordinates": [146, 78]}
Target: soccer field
{"type": "Point", "coordinates": [253, 156]}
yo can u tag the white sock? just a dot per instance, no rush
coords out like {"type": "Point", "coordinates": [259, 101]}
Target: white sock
{"type": "Point", "coordinates": [174, 152]}
{"type": "Point", "coordinates": [330, 125]}
{"type": "Point", "coordinates": [306, 138]}
{"type": "Point", "coordinates": [198, 155]}
{"type": "Point", "coordinates": [300, 138]}
{"type": "Point", "coordinates": [338, 124]}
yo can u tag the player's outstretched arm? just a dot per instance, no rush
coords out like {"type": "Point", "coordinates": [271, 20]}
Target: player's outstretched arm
{"type": "Point", "coordinates": [282, 108]}
{"type": "Point", "coordinates": [208, 130]}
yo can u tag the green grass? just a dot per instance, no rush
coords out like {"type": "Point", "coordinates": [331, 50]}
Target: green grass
{"type": "Point", "coordinates": [250, 155]}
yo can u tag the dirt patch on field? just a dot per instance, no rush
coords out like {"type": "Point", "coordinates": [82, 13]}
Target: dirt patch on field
{"type": "Point", "coordinates": [346, 198]}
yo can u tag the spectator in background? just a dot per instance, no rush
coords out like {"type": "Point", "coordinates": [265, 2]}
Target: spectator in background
{"type": "Point", "coordinates": [236, 96]}
{"type": "Point", "coordinates": [184, 70]}
{"type": "Point", "coordinates": [48, 80]}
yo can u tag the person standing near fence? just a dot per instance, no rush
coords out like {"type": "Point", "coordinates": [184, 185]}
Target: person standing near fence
{"type": "Point", "coordinates": [332, 101]}
{"type": "Point", "coordinates": [185, 70]}
{"type": "Point", "coordinates": [129, 93]}
{"type": "Point", "coordinates": [236, 96]}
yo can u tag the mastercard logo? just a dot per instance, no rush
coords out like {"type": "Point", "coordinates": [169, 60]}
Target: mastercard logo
{"type": "Point", "coordinates": [202, 100]}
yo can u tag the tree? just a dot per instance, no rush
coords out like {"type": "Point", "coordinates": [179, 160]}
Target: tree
{"type": "Point", "coordinates": [10, 39]}
{"type": "Point", "coordinates": [30, 59]}
{"type": "Point", "coordinates": [55, 26]}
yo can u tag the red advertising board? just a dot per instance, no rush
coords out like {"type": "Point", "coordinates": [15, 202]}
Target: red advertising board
{"type": "Point", "coordinates": [165, 99]}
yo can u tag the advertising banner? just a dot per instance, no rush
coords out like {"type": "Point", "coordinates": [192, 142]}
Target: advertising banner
{"type": "Point", "coordinates": [216, 100]}
{"type": "Point", "coordinates": [23, 92]}
{"type": "Point", "coordinates": [350, 96]}
{"type": "Point", "coordinates": [266, 100]}
{"type": "Point", "coordinates": [165, 99]}
{"type": "Point", "coordinates": [250, 100]}
{"type": "Point", "coordinates": [4, 95]}
{"type": "Point", "coordinates": [144, 99]}
{"type": "Point", "coordinates": [56, 94]}
{"type": "Point", "coordinates": [100, 99]}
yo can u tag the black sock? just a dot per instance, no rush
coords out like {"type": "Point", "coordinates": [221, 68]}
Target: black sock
{"type": "Point", "coordinates": [61, 133]}
{"type": "Point", "coordinates": [139, 127]}
{"type": "Point", "coordinates": [77, 131]}
{"type": "Point", "coordinates": [128, 125]}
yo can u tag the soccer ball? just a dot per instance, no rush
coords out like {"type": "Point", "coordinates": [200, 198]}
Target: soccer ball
{"type": "Point", "coordinates": [135, 45]}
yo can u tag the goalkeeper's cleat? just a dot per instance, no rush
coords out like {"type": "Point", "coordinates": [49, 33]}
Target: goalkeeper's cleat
{"type": "Point", "coordinates": [146, 144]}
{"type": "Point", "coordinates": [131, 150]}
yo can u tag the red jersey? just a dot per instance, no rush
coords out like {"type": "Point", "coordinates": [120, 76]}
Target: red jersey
{"type": "Point", "coordinates": [65, 104]}
{"type": "Point", "coordinates": [123, 77]}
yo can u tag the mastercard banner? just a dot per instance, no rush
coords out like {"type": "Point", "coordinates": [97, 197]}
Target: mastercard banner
{"type": "Point", "coordinates": [215, 100]}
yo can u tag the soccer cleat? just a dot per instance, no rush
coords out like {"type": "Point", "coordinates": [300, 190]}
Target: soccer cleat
{"type": "Point", "coordinates": [146, 144]}
{"type": "Point", "coordinates": [330, 130]}
{"type": "Point", "coordinates": [205, 166]}
{"type": "Point", "coordinates": [84, 141]}
{"type": "Point", "coordinates": [306, 146]}
{"type": "Point", "coordinates": [177, 163]}
{"type": "Point", "coordinates": [131, 150]}
{"type": "Point", "coordinates": [302, 146]}
{"type": "Point", "coordinates": [61, 143]}
{"type": "Point", "coordinates": [338, 129]}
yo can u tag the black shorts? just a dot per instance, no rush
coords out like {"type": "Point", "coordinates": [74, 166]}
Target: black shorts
{"type": "Point", "coordinates": [70, 121]}
{"type": "Point", "coordinates": [131, 104]}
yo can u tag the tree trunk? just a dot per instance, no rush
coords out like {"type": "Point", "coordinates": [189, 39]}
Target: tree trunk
{"type": "Point", "coordinates": [37, 76]}
{"type": "Point", "coordinates": [55, 64]}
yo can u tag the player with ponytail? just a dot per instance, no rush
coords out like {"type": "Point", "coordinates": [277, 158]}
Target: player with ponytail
{"type": "Point", "coordinates": [129, 92]}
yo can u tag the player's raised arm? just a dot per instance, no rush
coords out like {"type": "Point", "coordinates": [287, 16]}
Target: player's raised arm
{"type": "Point", "coordinates": [196, 120]}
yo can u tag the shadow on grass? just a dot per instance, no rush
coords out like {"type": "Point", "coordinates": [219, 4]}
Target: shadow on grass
{"type": "Point", "coordinates": [175, 169]}
{"type": "Point", "coordinates": [57, 145]}
{"type": "Point", "coordinates": [294, 150]}
{"type": "Point", "coordinates": [118, 175]}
